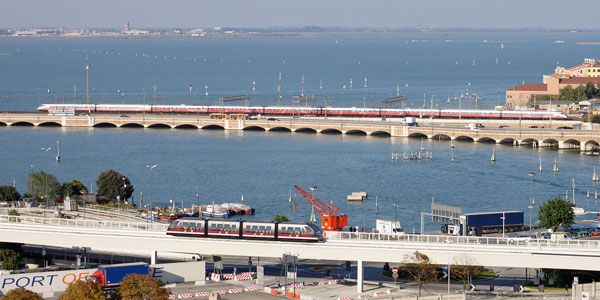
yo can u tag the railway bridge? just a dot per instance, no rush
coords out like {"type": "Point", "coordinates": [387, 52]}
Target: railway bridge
{"type": "Point", "coordinates": [587, 141]}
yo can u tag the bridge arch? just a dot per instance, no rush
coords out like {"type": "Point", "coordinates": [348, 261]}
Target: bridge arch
{"type": "Point", "coordinates": [2, 124]}
{"type": "Point", "coordinates": [590, 145]}
{"type": "Point", "coordinates": [417, 135]}
{"type": "Point", "coordinates": [254, 128]}
{"type": "Point", "coordinates": [186, 126]}
{"type": "Point", "coordinates": [280, 129]}
{"type": "Point", "coordinates": [331, 131]}
{"type": "Point", "coordinates": [565, 127]}
{"type": "Point", "coordinates": [306, 129]}
{"type": "Point", "coordinates": [572, 142]}
{"type": "Point", "coordinates": [50, 124]}
{"type": "Point", "coordinates": [507, 141]}
{"type": "Point", "coordinates": [464, 138]}
{"type": "Point", "coordinates": [159, 126]}
{"type": "Point", "coordinates": [213, 127]}
{"type": "Point", "coordinates": [441, 136]}
{"type": "Point", "coordinates": [381, 133]}
{"type": "Point", "coordinates": [356, 132]}
{"type": "Point", "coordinates": [132, 125]}
{"type": "Point", "coordinates": [105, 125]}
{"type": "Point", "coordinates": [22, 123]}
{"type": "Point", "coordinates": [549, 143]}
{"type": "Point", "coordinates": [486, 139]}
{"type": "Point", "coordinates": [528, 142]}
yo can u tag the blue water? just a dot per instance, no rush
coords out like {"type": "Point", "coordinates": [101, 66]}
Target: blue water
{"type": "Point", "coordinates": [265, 166]}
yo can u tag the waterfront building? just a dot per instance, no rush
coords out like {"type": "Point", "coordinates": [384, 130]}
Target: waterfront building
{"type": "Point", "coordinates": [523, 96]}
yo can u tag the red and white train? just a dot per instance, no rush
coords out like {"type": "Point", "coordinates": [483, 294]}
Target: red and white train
{"type": "Point", "coordinates": [249, 230]}
{"type": "Point", "coordinates": [307, 111]}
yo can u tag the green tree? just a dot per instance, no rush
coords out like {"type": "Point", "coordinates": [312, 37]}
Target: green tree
{"type": "Point", "coordinates": [281, 219]}
{"type": "Point", "coordinates": [141, 287]}
{"type": "Point", "coordinates": [556, 212]}
{"type": "Point", "coordinates": [111, 184]}
{"type": "Point", "coordinates": [590, 90]}
{"type": "Point", "coordinates": [21, 294]}
{"type": "Point", "coordinates": [11, 259]}
{"type": "Point", "coordinates": [9, 193]}
{"type": "Point", "coordinates": [84, 290]}
{"type": "Point", "coordinates": [420, 268]}
{"type": "Point", "coordinates": [37, 185]}
{"type": "Point", "coordinates": [594, 118]}
{"type": "Point", "coordinates": [73, 188]}
{"type": "Point", "coordinates": [568, 93]}
{"type": "Point", "coordinates": [580, 94]}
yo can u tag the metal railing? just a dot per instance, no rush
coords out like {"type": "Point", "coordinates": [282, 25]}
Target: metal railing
{"type": "Point", "coordinates": [464, 240]}
{"type": "Point", "coordinates": [84, 223]}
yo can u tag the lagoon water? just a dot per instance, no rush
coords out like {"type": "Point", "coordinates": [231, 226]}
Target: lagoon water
{"type": "Point", "coordinates": [265, 166]}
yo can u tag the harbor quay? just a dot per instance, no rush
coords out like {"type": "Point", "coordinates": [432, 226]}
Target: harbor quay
{"type": "Point", "coordinates": [562, 134]}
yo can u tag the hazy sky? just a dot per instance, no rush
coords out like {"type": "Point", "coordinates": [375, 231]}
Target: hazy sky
{"type": "Point", "coordinates": [265, 13]}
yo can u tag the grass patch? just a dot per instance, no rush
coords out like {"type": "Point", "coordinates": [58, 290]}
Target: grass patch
{"type": "Point", "coordinates": [479, 276]}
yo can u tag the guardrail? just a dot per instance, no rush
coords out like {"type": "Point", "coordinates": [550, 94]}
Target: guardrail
{"type": "Point", "coordinates": [84, 223]}
{"type": "Point", "coordinates": [463, 240]}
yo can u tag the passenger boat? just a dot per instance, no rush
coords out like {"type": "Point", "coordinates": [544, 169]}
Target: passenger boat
{"type": "Point", "coordinates": [216, 211]}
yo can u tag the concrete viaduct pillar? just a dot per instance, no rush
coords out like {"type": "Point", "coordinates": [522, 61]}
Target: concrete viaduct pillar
{"type": "Point", "coordinates": [359, 276]}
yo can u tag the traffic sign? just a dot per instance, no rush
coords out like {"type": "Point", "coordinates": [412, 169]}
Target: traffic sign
{"type": "Point", "coordinates": [395, 275]}
{"type": "Point", "coordinates": [445, 268]}
{"type": "Point", "coordinates": [445, 274]}
{"type": "Point", "coordinates": [395, 270]}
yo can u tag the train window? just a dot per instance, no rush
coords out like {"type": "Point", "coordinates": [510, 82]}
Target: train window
{"type": "Point", "coordinates": [283, 230]}
{"type": "Point", "coordinates": [234, 227]}
{"type": "Point", "coordinates": [227, 227]}
{"type": "Point", "coordinates": [200, 226]}
{"type": "Point", "coordinates": [296, 230]}
{"type": "Point", "coordinates": [220, 227]}
{"type": "Point", "coordinates": [173, 225]}
{"type": "Point", "coordinates": [269, 229]}
{"type": "Point", "coordinates": [248, 228]}
{"type": "Point", "coordinates": [310, 231]}
{"type": "Point", "coordinates": [261, 229]}
{"type": "Point", "coordinates": [254, 228]}
{"type": "Point", "coordinates": [213, 227]}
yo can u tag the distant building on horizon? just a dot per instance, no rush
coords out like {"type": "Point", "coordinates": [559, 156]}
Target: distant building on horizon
{"type": "Point", "coordinates": [522, 95]}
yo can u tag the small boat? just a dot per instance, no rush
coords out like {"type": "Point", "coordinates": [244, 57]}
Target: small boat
{"type": "Point", "coordinates": [595, 175]}
{"type": "Point", "coordinates": [216, 211]}
{"type": "Point", "coordinates": [168, 215]}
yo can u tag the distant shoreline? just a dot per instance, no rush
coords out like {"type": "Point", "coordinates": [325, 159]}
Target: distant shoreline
{"type": "Point", "coordinates": [406, 34]}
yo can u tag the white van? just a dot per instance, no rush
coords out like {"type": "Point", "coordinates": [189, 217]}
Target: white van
{"type": "Point", "coordinates": [474, 126]}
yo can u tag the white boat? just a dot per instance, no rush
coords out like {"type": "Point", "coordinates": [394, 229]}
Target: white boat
{"type": "Point", "coordinates": [216, 211]}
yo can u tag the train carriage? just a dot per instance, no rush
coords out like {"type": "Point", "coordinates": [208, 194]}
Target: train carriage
{"type": "Point", "coordinates": [250, 230]}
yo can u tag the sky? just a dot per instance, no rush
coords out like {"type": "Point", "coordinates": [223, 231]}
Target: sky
{"type": "Point", "coordinates": [565, 14]}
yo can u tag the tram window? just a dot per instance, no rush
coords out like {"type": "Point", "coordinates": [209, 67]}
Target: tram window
{"type": "Point", "coordinates": [269, 229]}
{"type": "Point", "coordinates": [185, 225]}
{"type": "Point", "coordinates": [234, 227]}
{"type": "Point", "coordinates": [248, 228]}
{"type": "Point", "coordinates": [199, 226]}
{"type": "Point", "coordinates": [261, 229]}
{"type": "Point", "coordinates": [283, 230]}
{"type": "Point", "coordinates": [254, 228]}
{"type": "Point", "coordinates": [213, 227]}
{"type": "Point", "coordinates": [310, 231]}
{"type": "Point", "coordinates": [227, 227]}
{"type": "Point", "coordinates": [220, 227]}
{"type": "Point", "coordinates": [173, 225]}
{"type": "Point", "coordinates": [296, 230]}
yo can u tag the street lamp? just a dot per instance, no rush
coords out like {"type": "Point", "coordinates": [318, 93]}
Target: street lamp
{"type": "Point", "coordinates": [532, 200]}
{"type": "Point", "coordinates": [395, 206]}
{"type": "Point", "coordinates": [87, 83]}
{"type": "Point", "coordinates": [151, 167]}
{"type": "Point", "coordinates": [503, 222]}
{"type": "Point", "coordinates": [124, 190]}
{"type": "Point", "coordinates": [83, 192]}
{"type": "Point", "coordinates": [46, 177]}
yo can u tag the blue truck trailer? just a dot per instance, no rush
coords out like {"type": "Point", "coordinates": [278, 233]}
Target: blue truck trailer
{"type": "Point", "coordinates": [112, 275]}
{"type": "Point", "coordinates": [492, 222]}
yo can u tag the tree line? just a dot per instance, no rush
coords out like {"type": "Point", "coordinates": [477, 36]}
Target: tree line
{"type": "Point", "coordinates": [580, 93]}
{"type": "Point", "coordinates": [110, 184]}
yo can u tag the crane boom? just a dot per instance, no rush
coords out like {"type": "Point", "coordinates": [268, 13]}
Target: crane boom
{"type": "Point", "coordinates": [332, 218]}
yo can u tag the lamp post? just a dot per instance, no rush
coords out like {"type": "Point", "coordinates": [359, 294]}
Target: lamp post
{"type": "Point", "coordinates": [313, 188]}
{"type": "Point", "coordinates": [395, 206]}
{"type": "Point", "coordinates": [151, 167]}
{"type": "Point", "coordinates": [503, 222]}
{"type": "Point", "coordinates": [87, 83]}
{"type": "Point", "coordinates": [124, 192]}
{"type": "Point", "coordinates": [83, 192]}
{"type": "Point", "coordinates": [46, 178]}
{"type": "Point", "coordinates": [532, 200]}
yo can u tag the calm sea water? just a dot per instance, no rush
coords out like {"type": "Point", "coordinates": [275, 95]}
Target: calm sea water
{"type": "Point", "coordinates": [265, 166]}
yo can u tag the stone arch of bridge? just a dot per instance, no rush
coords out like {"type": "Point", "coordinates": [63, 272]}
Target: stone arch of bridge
{"type": "Point", "coordinates": [186, 126]}
{"type": "Point", "coordinates": [132, 125]}
{"type": "Point", "coordinates": [485, 139]}
{"type": "Point", "coordinates": [417, 135]}
{"type": "Point", "coordinates": [356, 132]}
{"type": "Point", "coordinates": [213, 127]}
{"type": "Point", "coordinates": [441, 136]}
{"type": "Point", "coordinates": [105, 125]}
{"type": "Point", "coordinates": [507, 140]}
{"type": "Point", "coordinates": [572, 142]}
{"type": "Point", "coordinates": [381, 133]}
{"type": "Point", "coordinates": [280, 129]}
{"type": "Point", "coordinates": [159, 126]}
{"type": "Point", "coordinates": [254, 128]}
{"type": "Point", "coordinates": [464, 138]}
{"type": "Point", "coordinates": [50, 124]}
{"type": "Point", "coordinates": [331, 131]}
{"type": "Point", "coordinates": [590, 145]}
{"type": "Point", "coordinates": [306, 129]}
{"type": "Point", "coordinates": [22, 123]}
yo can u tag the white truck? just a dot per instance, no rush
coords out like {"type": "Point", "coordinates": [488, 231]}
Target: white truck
{"type": "Point", "coordinates": [409, 121]}
{"type": "Point", "coordinates": [388, 226]}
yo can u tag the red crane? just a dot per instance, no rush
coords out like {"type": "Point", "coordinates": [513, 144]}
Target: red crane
{"type": "Point", "coordinates": [332, 218]}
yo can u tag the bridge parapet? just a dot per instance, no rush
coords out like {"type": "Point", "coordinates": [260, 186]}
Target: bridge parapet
{"type": "Point", "coordinates": [150, 226]}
